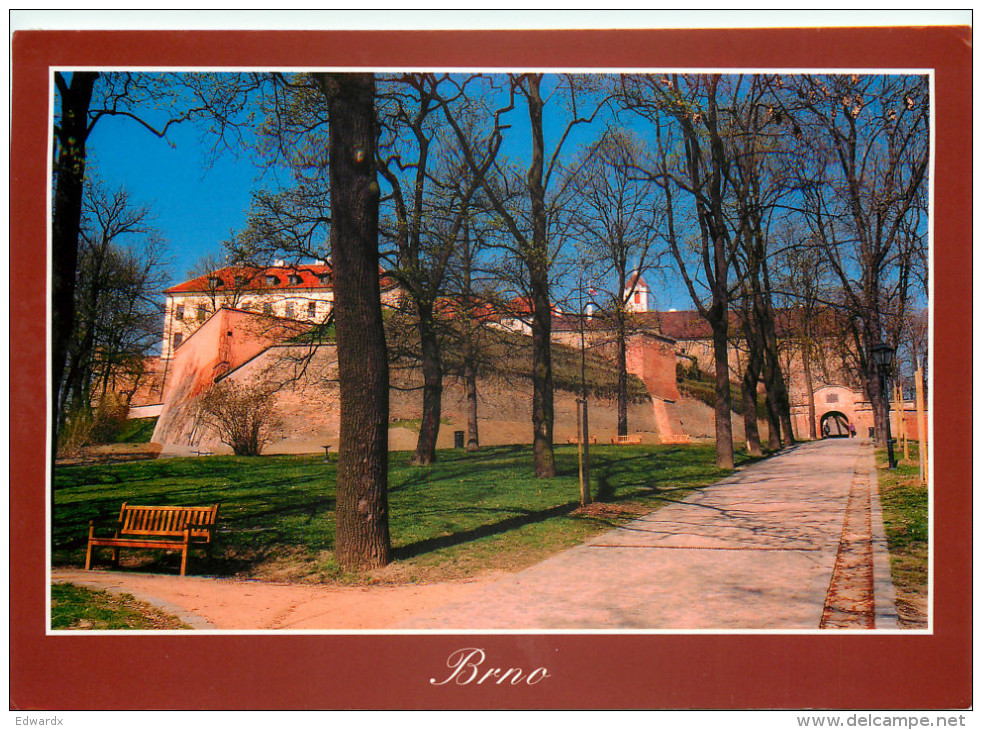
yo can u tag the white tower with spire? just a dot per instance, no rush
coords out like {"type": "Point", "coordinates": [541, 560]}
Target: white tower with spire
{"type": "Point", "coordinates": [636, 290]}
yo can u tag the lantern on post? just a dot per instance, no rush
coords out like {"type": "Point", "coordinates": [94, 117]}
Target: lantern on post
{"type": "Point", "coordinates": [883, 357]}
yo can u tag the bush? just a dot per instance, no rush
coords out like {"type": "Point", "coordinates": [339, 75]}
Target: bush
{"type": "Point", "coordinates": [109, 418]}
{"type": "Point", "coordinates": [75, 434]}
{"type": "Point", "coordinates": [241, 414]}
{"type": "Point", "coordinates": [85, 426]}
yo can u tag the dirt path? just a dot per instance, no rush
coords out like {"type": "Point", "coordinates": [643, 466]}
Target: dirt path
{"type": "Point", "coordinates": [210, 603]}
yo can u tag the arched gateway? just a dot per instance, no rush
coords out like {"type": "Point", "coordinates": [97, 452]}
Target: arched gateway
{"type": "Point", "coordinates": [834, 424]}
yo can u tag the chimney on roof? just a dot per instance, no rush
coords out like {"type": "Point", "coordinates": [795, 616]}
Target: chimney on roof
{"type": "Point", "coordinates": [279, 262]}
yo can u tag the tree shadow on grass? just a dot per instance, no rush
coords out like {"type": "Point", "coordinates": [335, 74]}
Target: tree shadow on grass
{"type": "Point", "coordinates": [458, 538]}
{"type": "Point", "coordinates": [453, 464]}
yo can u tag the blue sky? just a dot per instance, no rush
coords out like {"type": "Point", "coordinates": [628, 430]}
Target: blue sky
{"type": "Point", "coordinates": [196, 204]}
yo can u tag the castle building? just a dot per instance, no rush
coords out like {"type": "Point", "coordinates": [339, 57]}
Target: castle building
{"type": "Point", "coordinates": [302, 293]}
{"type": "Point", "coordinates": [297, 293]}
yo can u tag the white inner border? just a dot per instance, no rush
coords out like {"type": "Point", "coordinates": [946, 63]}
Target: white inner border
{"type": "Point", "coordinates": [930, 73]}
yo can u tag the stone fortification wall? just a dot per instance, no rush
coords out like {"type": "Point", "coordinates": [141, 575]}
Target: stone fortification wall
{"type": "Point", "coordinates": [307, 408]}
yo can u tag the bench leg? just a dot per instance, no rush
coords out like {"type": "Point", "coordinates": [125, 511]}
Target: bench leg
{"type": "Point", "coordinates": [184, 560]}
{"type": "Point", "coordinates": [115, 557]}
{"type": "Point", "coordinates": [88, 557]}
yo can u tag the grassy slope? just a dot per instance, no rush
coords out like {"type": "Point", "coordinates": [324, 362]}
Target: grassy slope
{"type": "Point", "coordinates": [904, 499]}
{"type": "Point", "coordinates": [466, 514]}
{"type": "Point", "coordinates": [704, 389]}
{"type": "Point", "coordinates": [136, 431]}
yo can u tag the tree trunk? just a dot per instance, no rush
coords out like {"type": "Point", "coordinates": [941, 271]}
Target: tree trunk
{"type": "Point", "coordinates": [779, 405]}
{"type": "Point", "coordinates": [879, 399]}
{"type": "Point", "coordinates": [748, 387]}
{"type": "Point", "coordinates": [782, 403]}
{"type": "Point", "coordinates": [470, 389]}
{"type": "Point", "coordinates": [470, 355]}
{"type": "Point", "coordinates": [362, 529]}
{"type": "Point", "coordinates": [429, 427]}
{"type": "Point", "coordinates": [771, 401]}
{"type": "Point", "coordinates": [621, 378]}
{"type": "Point", "coordinates": [75, 98]}
{"type": "Point", "coordinates": [542, 390]}
{"type": "Point", "coordinates": [809, 386]}
{"type": "Point", "coordinates": [750, 379]}
{"type": "Point", "coordinates": [724, 426]}
{"type": "Point", "coordinates": [538, 269]}
{"type": "Point", "coordinates": [773, 421]}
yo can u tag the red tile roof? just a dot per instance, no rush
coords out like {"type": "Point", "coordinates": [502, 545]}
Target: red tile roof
{"type": "Point", "coordinates": [685, 325]}
{"type": "Point", "coordinates": [471, 308]}
{"type": "Point", "coordinates": [522, 307]}
{"type": "Point", "coordinates": [311, 276]}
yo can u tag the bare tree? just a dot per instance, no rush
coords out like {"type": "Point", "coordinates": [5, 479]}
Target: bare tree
{"type": "Point", "coordinates": [695, 161]}
{"type": "Point", "coordinates": [71, 132]}
{"type": "Point", "coordinates": [83, 98]}
{"type": "Point", "coordinates": [430, 202]}
{"type": "Point", "coordinates": [617, 221]}
{"type": "Point", "coordinates": [864, 151]}
{"type": "Point", "coordinates": [530, 228]}
{"type": "Point", "coordinates": [120, 271]}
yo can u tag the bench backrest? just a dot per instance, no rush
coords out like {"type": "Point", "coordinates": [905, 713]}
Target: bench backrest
{"type": "Point", "coordinates": [166, 521]}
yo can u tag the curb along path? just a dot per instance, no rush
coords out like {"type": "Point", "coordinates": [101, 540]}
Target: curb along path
{"type": "Point", "coordinates": [849, 603]}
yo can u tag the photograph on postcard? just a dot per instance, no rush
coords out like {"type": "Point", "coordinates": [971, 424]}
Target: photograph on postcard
{"type": "Point", "coordinates": [430, 350]}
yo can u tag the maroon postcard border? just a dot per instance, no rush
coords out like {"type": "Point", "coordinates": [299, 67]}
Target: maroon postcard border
{"type": "Point", "coordinates": [586, 671]}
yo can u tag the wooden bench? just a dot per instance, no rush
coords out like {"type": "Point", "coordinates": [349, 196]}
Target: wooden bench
{"type": "Point", "coordinates": [164, 528]}
{"type": "Point", "coordinates": [623, 440]}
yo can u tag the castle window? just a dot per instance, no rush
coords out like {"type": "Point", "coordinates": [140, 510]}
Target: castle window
{"type": "Point", "coordinates": [295, 279]}
{"type": "Point", "coordinates": [179, 313]}
{"type": "Point", "coordinates": [637, 297]}
{"type": "Point", "coordinates": [267, 308]}
{"type": "Point", "coordinates": [202, 312]}
{"type": "Point", "coordinates": [832, 398]}
{"type": "Point", "coordinates": [214, 282]}
{"type": "Point", "coordinates": [324, 278]}
{"type": "Point", "coordinates": [178, 339]}
{"type": "Point", "coordinates": [311, 310]}
{"type": "Point", "coordinates": [241, 280]}
{"type": "Point", "coordinates": [272, 280]}
{"type": "Point", "coordinates": [289, 309]}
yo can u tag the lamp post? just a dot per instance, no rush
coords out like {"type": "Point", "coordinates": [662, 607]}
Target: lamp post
{"type": "Point", "coordinates": [883, 357]}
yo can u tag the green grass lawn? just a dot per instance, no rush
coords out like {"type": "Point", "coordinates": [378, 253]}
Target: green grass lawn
{"type": "Point", "coordinates": [74, 607]}
{"type": "Point", "coordinates": [467, 514]}
{"type": "Point", "coordinates": [904, 499]}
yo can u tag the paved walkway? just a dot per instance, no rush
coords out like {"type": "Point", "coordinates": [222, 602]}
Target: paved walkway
{"type": "Point", "coordinates": [759, 550]}
{"type": "Point", "coordinates": [794, 542]}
